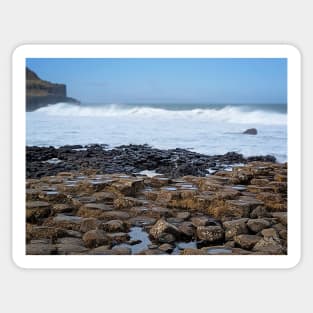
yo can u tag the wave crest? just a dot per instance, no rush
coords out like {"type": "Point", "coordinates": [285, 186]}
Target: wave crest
{"type": "Point", "coordinates": [227, 114]}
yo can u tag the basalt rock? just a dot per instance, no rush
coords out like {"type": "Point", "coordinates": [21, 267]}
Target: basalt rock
{"type": "Point", "coordinates": [70, 245]}
{"type": "Point", "coordinates": [131, 159]}
{"type": "Point", "coordinates": [36, 210]}
{"type": "Point", "coordinates": [256, 225]}
{"type": "Point", "coordinates": [250, 131]}
{"type": "Point", "coordinates": [164, 232]}
{"type": "Point", "coordinates": [95, 238]}
{"type": "Point", "coordinates": [247, 241]}
{"type": "Point", "coordinates": [242, 211]}
{"type": "Point", "coordinates": [235, 228]}
{"type": "Point", "coordinates": [40, 247]}
{"type": "Point", "coordinates": [211, 234]}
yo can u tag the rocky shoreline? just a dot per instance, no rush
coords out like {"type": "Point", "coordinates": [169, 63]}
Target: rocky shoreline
{"type": "Point", "coordinates": [102, 207]}
{"type": "Point", "coordinates": [129, 159]}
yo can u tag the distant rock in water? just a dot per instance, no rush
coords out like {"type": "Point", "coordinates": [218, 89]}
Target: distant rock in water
{"type": "Point", "coordinates": [250, 131]}
{"type": "Point", "coordinates": [40, 93]}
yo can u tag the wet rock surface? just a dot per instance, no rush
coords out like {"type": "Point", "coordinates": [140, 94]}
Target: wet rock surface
{"type": "Point", "coordinates": [129, 159]}
{"type": "Point", "coordinates": [225, 213]}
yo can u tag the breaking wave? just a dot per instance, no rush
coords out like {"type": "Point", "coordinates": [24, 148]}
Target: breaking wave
{"type": "Point", "coordinates": [227, 114]}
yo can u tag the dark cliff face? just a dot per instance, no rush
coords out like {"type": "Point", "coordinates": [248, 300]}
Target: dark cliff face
{"type": "Point", "coordinates": [40, 93]}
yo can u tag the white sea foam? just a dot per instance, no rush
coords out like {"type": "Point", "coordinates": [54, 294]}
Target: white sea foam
{"type": "Point", "coordinates": [227, 114]}
{"type": "Point", "coordinates": [206, 130]}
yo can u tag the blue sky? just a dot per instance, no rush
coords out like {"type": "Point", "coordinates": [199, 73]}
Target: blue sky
{"type": "Point", "coordinates": [223, 81]}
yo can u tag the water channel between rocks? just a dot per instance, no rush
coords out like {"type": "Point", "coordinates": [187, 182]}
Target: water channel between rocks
{"type": "Point", "coordinates": [138, 233]}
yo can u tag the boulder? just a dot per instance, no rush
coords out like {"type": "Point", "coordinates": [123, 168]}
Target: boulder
{"type": "Point", "coordinates": [151, 252]}
{"type": "Point", "coordinates": [235, 227]}
{"type": "Point", "coordinates": [210, 234]}
{"type": "Point", "coordinates": [101, 250]}
{"type": "Point", "coordinates": [234, 209]}
{"type": "Point", "coordinates": [283, 234]}
{"type": "Point", "coordinates": [72, 233]}
{"type": "Point", "coordinates": [217, 250]}
{"type": "Point", "coordinates": [158, 212]}
{"type": "Point", "coordinates": [95, 210]}
{"type": "Point", "coordinates": [183, 215]}
{"type": "Point", "coordinates": [268, 245]}
{"type": "Point", "coordinates": [121, 250]}
{"type": "Point", "coordinates": [250, 131]}
{"type": "Point", "coordinates": [246, 241]}
{"type": "Point", "coordinates": [256, 225]}
{"type": "Point", "coordinates": [126, 203]}
{"type": "Point", "coordinates": [115, 215]}
{"type": "Point", "coordinates": [61, 208]}
{"type": "Point", "coordinates": [260, 212]}
{"type": "Point", "coordinates": [95, 238]}
{"type": "Point", "coordinates": [187, 229]}
{"type": "Point", "coordinates": [281, 216]}
{"type": "Point", "coordinates": [70, 245]}
{"type": "Point", "coordinates": [89, 224]}
{"type": "Point", "coordinates": [70, 222]}
{"type": "Point", "coordinates": [104, 196]}
{"type": "Point", "coordinates": [274, 202]}
{"type": "Point", "coordinates": [41, 232]}
{"type": "Point", "coordinates": [270, 233]}
{"type": "Point", "coordinates": [166, 247]}
{"type": "Point", "coordinates": [167, 194]}
{"type": "Point", "coordinates": [204, 221]}
{"type": "Point", "coordinates": [79, 201]}
{"type": "Point", "coordinates": [116, 238]}
{"type": "Point", "coordinates": [193, 251]}
{"type": "Point", "coordinates": [164, 231]}
{"type": "Point", "coordinates": [141, 221]}
{"type": "Point", "coordinates": [32, 194]}
{"type": "Point", "coordinates": [127, 185]}
{"type": "Point", "coordinates": [37, 210]}
{"type": "Point", "coordinates": [113, 226]}
{"type": "Point", "coordinates": [40, 247]}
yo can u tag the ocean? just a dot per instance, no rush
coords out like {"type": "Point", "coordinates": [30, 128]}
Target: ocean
{"type": "Point", "coordinates": [203, 128]}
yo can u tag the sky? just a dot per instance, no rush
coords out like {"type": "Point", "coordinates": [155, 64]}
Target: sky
{"type": "Point", "coordinates": [212, 81]}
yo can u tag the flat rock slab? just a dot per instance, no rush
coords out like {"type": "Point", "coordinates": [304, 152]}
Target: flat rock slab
{"type": "Point", "coordinates": [116, 238]}
{"type": "Point", "coordinates": [95, 238]}
{"type": "Point", "coordinates": [256, 225]}
{"type": "Point", "coordinates": [36, 210]}
{"type": "Point", "coordinates": [247, 241]}
{"type": "Point", "coordinates": [210, 233]}
{"type": "Point", "coordinates": [269, 246]}
{"type": "Point", "coordinates": [141, 221]}
{"type": "Point", "coordinates": [235, 227]}
{"type": "Point", "coordinates": [164, 231]}
{"type": "Point", "coordinates": [238, 209]}
{"type": "Point", "coordinates": [40, 232]}
{"type": "Point", "coordinates": [95, 210]}
{"type": "Point", "coordinates": [70, 245]}
{"type": "Point", "coordinates": [89, 224]}
{"type": "Point", "coordinates": [40, 247]}
{"type": "Point", "coordinates": [281, 216]}
{"type": "Point", "coordinates": [114, 226]}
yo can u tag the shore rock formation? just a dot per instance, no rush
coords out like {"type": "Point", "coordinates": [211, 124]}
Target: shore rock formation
{"type": "Point", "coordinates": [129, 159]}
{"type": "Point", "coordinates": [40, 93]}
{"type": "Point", "coordinates": [239, 211]}
{"type": "Point", "coordinates": [250, 131]}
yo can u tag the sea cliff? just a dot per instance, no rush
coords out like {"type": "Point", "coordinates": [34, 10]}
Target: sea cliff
{"type": "Point", "coordinates": [40, 93]}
